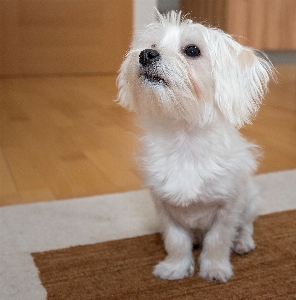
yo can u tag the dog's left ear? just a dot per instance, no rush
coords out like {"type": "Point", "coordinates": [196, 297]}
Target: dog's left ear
{"type": "Point", "coordinates": [124, 97]}
{"type": "Point", "coordinates": [240, 77]}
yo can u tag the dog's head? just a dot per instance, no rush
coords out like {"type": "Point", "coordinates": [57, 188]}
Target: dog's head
{"type": "Point", "coordinates": [186, 71]}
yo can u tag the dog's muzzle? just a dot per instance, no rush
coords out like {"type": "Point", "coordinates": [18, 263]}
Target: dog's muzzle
{"type": "Point", "coordinates": [148, 60]}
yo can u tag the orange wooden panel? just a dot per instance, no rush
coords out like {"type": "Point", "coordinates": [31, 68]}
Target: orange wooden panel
{"type": "Point", "coordinates": [65, 36]}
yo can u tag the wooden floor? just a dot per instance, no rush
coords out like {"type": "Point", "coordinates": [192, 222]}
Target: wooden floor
{"type": "Point", "coordinates": [65, 137]}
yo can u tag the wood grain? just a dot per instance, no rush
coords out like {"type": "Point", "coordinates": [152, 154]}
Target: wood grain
{"type": "Point", "coordinates": [62, 37]}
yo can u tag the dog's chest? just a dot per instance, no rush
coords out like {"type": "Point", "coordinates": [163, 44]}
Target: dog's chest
{"type": "Point", "coordinates": [195, 216]}
{"type": "Point", "coordinates": [184, 169]}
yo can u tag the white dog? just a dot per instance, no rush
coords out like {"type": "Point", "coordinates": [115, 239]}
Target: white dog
{"type": "Point", "coordinates": [192, 87]}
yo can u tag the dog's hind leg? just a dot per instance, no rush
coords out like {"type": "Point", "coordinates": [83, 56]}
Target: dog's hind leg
{"type": "Point", "coordinates": [244, 242]}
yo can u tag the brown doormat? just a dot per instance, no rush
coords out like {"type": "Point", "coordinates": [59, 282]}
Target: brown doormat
{"type": "Point", "coordinates": [122, 269]}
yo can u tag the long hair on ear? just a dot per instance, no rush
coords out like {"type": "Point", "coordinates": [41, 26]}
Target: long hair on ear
{"type": "Point", "coordinates": [241, 77]}
{"type": "Point", "coordinates": [126, 81]}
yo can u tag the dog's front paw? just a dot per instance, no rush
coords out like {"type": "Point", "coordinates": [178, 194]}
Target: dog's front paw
{"type": "Point", "coordinates": [218, 272]}
{"type": "Point", "coordinates": [172, 270]}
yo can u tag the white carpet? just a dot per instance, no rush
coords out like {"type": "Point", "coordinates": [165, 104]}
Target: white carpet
{"type": "Point", "coordinates": [59, 224]}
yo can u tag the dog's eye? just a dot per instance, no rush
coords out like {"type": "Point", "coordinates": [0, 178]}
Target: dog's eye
{"type": "Point", "coordinates": [192, 51]}
{"type": "Point", "coordinates": [153, 46]}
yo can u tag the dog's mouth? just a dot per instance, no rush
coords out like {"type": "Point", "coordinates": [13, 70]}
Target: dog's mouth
{"type": "Point", "coordinates": [152, 78]}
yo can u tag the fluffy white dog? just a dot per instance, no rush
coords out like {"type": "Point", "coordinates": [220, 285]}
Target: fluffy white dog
{"type": "Point", "coordinates": [192, 87]}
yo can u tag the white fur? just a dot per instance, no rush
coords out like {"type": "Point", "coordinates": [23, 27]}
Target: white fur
{"type": "Point", "coordinates": [197, 165]}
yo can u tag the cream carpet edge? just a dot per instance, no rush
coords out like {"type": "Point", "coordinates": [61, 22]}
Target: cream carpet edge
{"type": "Point", "coordinates": [59, 224]}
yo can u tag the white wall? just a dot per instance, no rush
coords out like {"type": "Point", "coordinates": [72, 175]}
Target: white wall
{"type": "Point", "coordinates": [144, 13]}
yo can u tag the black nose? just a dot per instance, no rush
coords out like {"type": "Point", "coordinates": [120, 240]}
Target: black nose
{"type": "Point", "coordinates": [148, 56]}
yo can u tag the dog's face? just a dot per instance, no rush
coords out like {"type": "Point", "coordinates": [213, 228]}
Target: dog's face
{"type": "Point", "coordinates": [186, 71]}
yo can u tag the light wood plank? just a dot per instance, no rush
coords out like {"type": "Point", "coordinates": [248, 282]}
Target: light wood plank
{"type": "Point", "coordinates": [116, 170]}
{"type": "Point", "coordinates": [27, 179]}
{"type": "Point", "coordinates": [7, 185]}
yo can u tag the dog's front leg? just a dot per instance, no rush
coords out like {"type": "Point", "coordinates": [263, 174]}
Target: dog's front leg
{"type": "Point", "coordinates": [179, 262]}
{"type": "Point", "coordinates": [215, 256]}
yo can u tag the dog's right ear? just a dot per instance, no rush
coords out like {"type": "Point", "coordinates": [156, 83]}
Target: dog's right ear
{"type": "Point", "coordinates": [124, 84]}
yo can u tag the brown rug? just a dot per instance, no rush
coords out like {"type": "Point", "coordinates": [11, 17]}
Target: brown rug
{"type": "Point", "coordinates": [122, 269]}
